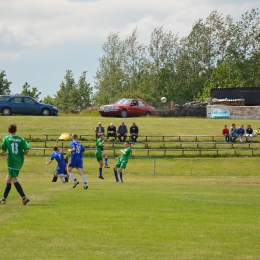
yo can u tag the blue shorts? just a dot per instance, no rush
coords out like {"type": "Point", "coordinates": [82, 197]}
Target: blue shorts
{"type": "Point", "coordinates": [76, 164]}
{"type": "Point", "coordinates": [60, 170]}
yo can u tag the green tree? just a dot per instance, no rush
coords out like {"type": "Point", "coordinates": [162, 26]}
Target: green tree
{"type": "Point", "coordinates": [83, 92]}
{"type": "Point", "coordinates": [109, 79]}
{"type": "Point", "coordinates": [49, 100]}
{"type": "Point", "coordinates": [64, 98]}
{"type": "Point", "coordinates": [4, 83]}
{"type": "Point", "coordinates": [33, 93]}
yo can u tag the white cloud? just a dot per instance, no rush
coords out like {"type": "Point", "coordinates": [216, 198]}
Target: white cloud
{"type": "Point", "coordinates": [73, 31]}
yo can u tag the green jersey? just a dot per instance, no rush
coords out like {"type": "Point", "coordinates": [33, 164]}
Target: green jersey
{"type": "Point", "coordinates": [124, 157]}
{"type": "Point", "coordinates": [99, 146]}
{"type": "Point", "coordinates": [15, 145]}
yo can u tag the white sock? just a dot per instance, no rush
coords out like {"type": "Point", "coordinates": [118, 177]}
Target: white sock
{"type": "Point", "coordinates": [61, 177]}
{"type": "Point", "coordinates": [84, 179]}
{"type": "Point", "coordinates": [72, 176]}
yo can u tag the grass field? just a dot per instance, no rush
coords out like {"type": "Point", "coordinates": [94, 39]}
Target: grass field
{"type": "Point", "coordinates": [167, 209]}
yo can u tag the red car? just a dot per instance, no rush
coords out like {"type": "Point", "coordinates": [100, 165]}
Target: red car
{"type": "Point", "coordinates": [127, 107]}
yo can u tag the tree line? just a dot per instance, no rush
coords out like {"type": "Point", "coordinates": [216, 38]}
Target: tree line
{"type": "Point", "coordinates": [217, 53]}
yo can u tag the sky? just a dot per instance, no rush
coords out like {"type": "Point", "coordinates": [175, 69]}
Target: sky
{"type": "Point", "coordinates": [41, 39]}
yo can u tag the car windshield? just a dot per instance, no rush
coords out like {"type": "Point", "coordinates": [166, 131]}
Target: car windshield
{"type": "Point", "coordinates": [3, 98]}
{"type": "Point", "coordinates": [123, 101]}
{"type": "Point", "coordinates": [220, 111]}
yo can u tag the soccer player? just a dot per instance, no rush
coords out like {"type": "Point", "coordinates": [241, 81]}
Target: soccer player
{"type": "Point", "coordinates": [77, 150]}
{"type": "Point", "coordinates": [60, 170]}
{"type": "Point", "coordinates": [121, 163]}
{"type": "Point", "coordinates": [100, 153]}
{"type": "Point", "coordinates": [17, 147]}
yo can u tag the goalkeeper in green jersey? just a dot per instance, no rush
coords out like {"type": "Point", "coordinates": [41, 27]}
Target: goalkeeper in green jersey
{"type": "Point", "coordinates": [16, 147]}
{"type": "Point", "coordinates": [122, 162]}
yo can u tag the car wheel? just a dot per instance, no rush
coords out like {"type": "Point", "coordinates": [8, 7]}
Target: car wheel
{"type": "Point", "coordinates": [148, 114]}
{"type": "Point", "coordinates": [46, 112]}
{"type": "Point", "coordinates": [124, 113]}
{"type": "Point", "coordinates": [6, 111]}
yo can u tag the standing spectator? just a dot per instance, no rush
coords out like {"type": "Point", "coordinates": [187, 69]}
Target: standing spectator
{"type": "Point", "coordinates": [122, 132]}
{"type": "Point", "coordinates": [99, 129]}
{"type": "Point", "coordinates": [77, 150]}
{"type": "Point", "coordinates": [17, 147]}
{"type": "Point", "coordinates": [122, 162]}
{"type": "Point", "coordinates": [249, 133]}
{"type": "Point", "coordinates": [233, 133]}
{"type": "Point", "coordinates": [60, 170]}
{"type": "Point", "coordinates": [100, 154]}
{"type": "Point", "coordinates": [111, 131]}
{"type": "Point", "coordinates": [240, 133]}
{"type": "Point", "coordinates": [225, 133]}
{"type": "Point", "coordinates": [134, 132]}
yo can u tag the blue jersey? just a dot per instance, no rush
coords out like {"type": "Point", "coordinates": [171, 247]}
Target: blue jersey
{"type": "Point", "coordinates": [79, 150]}
{"type": "Point", "coordinates": [58, 156]}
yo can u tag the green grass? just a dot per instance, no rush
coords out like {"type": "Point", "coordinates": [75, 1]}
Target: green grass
{"type": "Point", "coordinates": [168, 208]}
{"type": "Point", "coordinates": [206, 213]}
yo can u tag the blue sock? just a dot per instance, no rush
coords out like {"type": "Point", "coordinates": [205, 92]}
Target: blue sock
{"type": "Point", "coordinates": [106, 161]}
{"type": "Point", "coordinates": [19, 189]}
{"type": "Point", "coordinates": [115, 172]}
{"type": "Point", "coordinates": [7, 190]}
{"type": "Point", "coordinates": [100, 171]}
{"type": "Point", "coordinates": [121, 175]}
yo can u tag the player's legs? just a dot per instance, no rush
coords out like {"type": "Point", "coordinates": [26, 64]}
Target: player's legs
{"type": "Point", "coordinates": [12, 178]}
{"type": "Point", "coordinates": [105, 155]}
{"type": "Point", "coordinates": [83, 177]}
{"type": "Point", "coordinates": [99, 158]}
{"type": "Point", "coordinates": [117, 165]}
{"type": "Point", "coordinates": [100, 169]}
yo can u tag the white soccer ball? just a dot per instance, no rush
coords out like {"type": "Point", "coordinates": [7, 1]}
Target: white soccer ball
{"type": "Point", "coordinates": [163, 99]}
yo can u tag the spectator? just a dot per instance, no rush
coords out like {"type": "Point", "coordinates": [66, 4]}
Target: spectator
{"type": "Point", "coordinates": [240, 133]}
{"type": "Point", "coordinates": [249, 133]}
{"type": "Point", "coordinates": [122, 132]}
{"type": "Point", "coordinates": [225, 133]}
{"type": "Point", "coordinates": [111, 131]}
{"type": "Point", "coordinates": [134, 132]}
{"type": "Point", "coordinates": [99, 129]}
{"type": "Point", "coordinates": [233, 133]}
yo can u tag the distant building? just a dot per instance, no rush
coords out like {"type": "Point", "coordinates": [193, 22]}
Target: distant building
{"type": "Point", "coordinates": [251, 95]}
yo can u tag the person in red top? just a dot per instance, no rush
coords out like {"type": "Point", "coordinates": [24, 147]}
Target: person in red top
{"type": "Point", "coordinates": [225, 133]}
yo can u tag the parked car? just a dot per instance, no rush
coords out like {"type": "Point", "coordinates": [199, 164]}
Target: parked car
{"type": "Point", "coordinates": [219, 112]}
{"type": "Point", "coordinates": [25, 105]}
{"type": "Point", "coordinates": [127, 107]}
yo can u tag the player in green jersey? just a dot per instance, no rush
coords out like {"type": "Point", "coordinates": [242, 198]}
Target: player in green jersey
{"type": "Point", "coordinates": [16, 147]}
{"type": "Point", "coordinates": [122, 162]}
{"type": "Point", "coordinates": [100, 153]}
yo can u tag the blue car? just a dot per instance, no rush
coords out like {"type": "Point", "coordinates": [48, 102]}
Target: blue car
{"type": "Point", "coordinates": [219, 112]}
{"type": "Point", "coordinates": [24, 105]}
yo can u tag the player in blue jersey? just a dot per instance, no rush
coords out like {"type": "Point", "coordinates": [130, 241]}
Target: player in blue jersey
{"type": "Point", "coordinates": [58, 156]}
{"type": "Point", "coordinates": [77, 150]}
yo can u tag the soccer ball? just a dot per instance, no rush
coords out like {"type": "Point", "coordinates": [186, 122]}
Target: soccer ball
{"type": "Point", "coordinates": [163, 99]}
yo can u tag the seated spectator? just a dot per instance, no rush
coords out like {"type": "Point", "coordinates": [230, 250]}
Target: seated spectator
{"type": "Point", "coordinates": [134, 132]}
{"type": "Point", "coordinates": [111, 131]}
{"type": "Point", "coordinates": [249, 133]}
{"type": "Point", "coordinates": [99, 129]}
{"type": "Point", "coordinates": [122, 132]}
{"type": "Point", "coordinates": [240, 133]}
{"type": "Point", "coordinates": [225, 133]}
{"type": "Point", "coordinates": [233, 133]}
